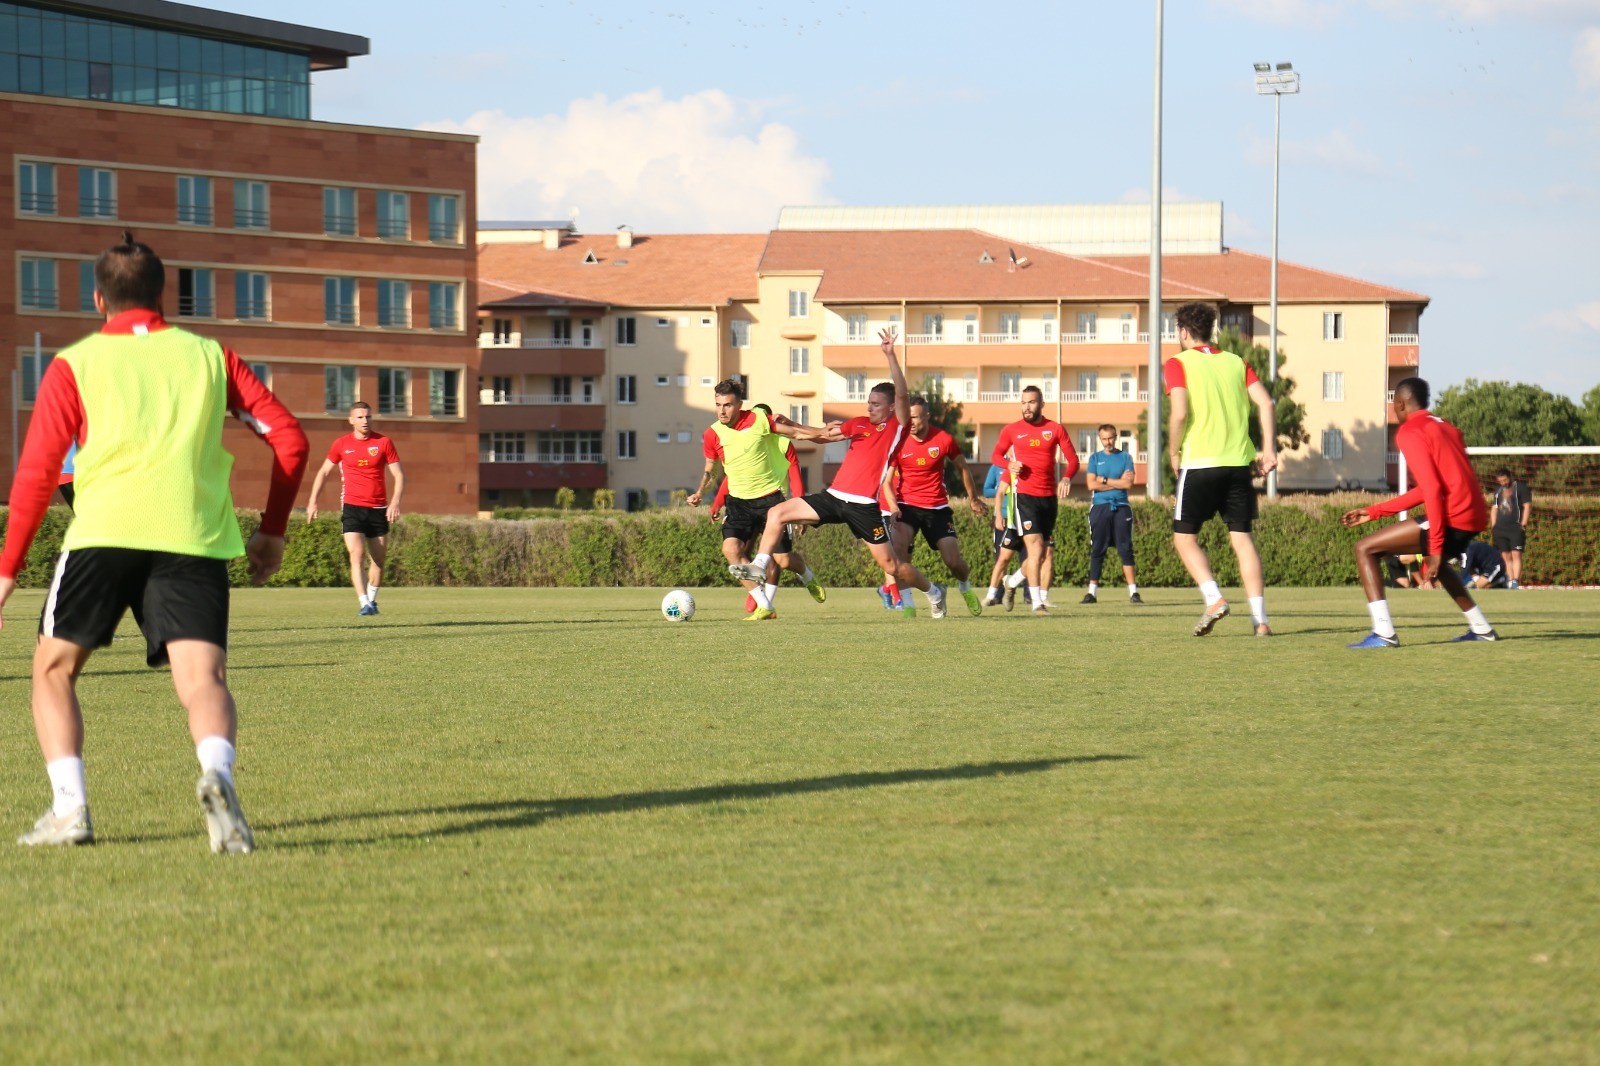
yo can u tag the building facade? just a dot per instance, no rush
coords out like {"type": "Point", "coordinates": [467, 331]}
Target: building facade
{"type": "Point", "coordinates": [337, 260]}
{"type": "Point", "coordinates": [796, 314]}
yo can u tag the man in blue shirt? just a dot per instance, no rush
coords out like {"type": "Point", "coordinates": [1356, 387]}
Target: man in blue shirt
{"type": "Point", "coordinates": [1110, 476]}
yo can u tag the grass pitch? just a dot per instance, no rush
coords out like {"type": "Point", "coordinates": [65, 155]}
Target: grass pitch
{"type": "Point", "coordinates": [547, 825]}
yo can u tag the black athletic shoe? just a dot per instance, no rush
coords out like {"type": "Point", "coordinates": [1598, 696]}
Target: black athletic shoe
{"type": "Point", "coordinates": [1136, 600]}
{"type": "Point", "coordinates": [1088, 597]}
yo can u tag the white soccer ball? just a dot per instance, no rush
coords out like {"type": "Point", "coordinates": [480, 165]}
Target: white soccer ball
{"type": "Point", "coordinates": [678, 606]}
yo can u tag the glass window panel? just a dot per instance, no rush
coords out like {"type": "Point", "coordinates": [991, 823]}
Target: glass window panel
{"type": "Point", "coordinates": [53, 37]}
{"type": "Point", "coordinates": [30, 74]}
{"type": "Point", "coordinates": [168, 52]}
{"type": "Point", "coordinates": [86, 285]}
{"type": "Point", "coordinates": [188, 53]}
{"type": "Point", "coordinates": [211, 57]}
{"type": "Point", "coordinates": [145, 52]}
{"type": "Point", "coordinates": [29, 34]}
{"type": "Point", "coordinates": [100, 42]}
{"type": "Point", "coordinates": [77, 78]}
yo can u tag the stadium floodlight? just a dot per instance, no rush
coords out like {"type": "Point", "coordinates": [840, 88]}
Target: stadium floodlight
{"type": "Point", "coordinates": [1276, 83]}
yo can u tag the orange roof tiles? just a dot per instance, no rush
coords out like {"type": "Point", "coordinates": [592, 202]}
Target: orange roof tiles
{"type": "Point", "coordinates": [666, 270]}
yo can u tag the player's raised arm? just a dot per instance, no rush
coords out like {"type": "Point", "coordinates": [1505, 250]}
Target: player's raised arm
{"type": "Point", "coordinates": [902, 392]}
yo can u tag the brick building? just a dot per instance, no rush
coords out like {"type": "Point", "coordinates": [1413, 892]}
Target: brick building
{"type": "Point", "coordinates": [337, 260]}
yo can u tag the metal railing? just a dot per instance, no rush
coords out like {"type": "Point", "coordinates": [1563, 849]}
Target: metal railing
{"type": "Point", "coordinates": [1403, 338]}
{"type": "Point", "coordinates": [493, 398]}
{"type": "Point", "coordinates": [561, 342]}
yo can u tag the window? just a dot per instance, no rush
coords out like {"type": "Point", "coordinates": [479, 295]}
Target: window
{"type": "Point", "coordinates": [568, 446]}
{"type": "Point", "coordinates": [1088, 441]}
{"type": "Point", "coordinates": [1332, 444]}
{"type": "Point", "coordinates": [1049, 320]}
{"type": "Point", "coordinates": [740, 333]}
{"type": "Point", "coordinates": [194, 200]}
{"type": "Point", "coordinates": [444, 219]}
{"type": "Point", "coordinates": [444, 305]}
{"type": "Point", "coordinates": [627, 388]}
{"type": "Point", "coordinates": [663, 497]}
{"type": "Point", "coordinates": [394, 304]}
{"type": "Point", "coordinates": [1011, 384]}
{"type": "Point", "coordinates": [933, 325]}
{"type": "Point", "coordinates": [338, 388]}
{"type": "Point", "coordinates": [935, 381]}
{"type": "Point", "coordinates": [1333, 385]}
{"type": "Point", "coordinates": [263, 373]}
{"type": "Point", "coordinates": [38, 285]}
{"type": "Point", "coordinates": [250, 291]}
{"type": "Point", "coordinates": [502, 389]}
{"type": "Point", "coordinates": [662, 323]}
{"type": "Point", "coordinates": [625, 330]}
{"type": "Point", "coordinates": [684, 436]}
{"type": "Point", "coordinates": [1169, 325]}
{"type": "Point", "coordinates": [32, 369]}
{"type": "Point", "coordinates": [394, 391]}
{"type": "Point", "coordinates": [339, 301]}
{"type": "Point", "coordinates": [1088, 323]}
{"type": "Point", "coordinates": [663, 438]}
{"type": "Point", "coordinates": [36, 188]}
{"type": "Point", "coordinates": [561, 388]}
{"type": "Point", "coordinates": [561, 331]}
{"type": "Point", "coordinates": [339, 212]}
{"type": "Point", "coordinates": [444, 393]}
{"type": "Point", "coordinates": [627, 444]}
{"type": "Point", "coordinates": [250, 205]}
{"type": "Point", "coordinates": [1333, 325]}
{"type": "Point", "coordinates": [502, 330]}
{"type": "Point", "coordinates": [855, 327]}
{"type": "Point", "coordinates": [634, 499]}
{"type": "Point", "coordinates": [800, 412]}
{"type": "Point", "coordinates": [799, 303]}
{"type": "Point", "coordinates": [683, 381]}
{"type": "Point", "coordinates": [97, 193]}
{"type": "Point", "coordinates": [86, 285]}
{"type": "Point", "coordinates": [196, 293]}
{"type": "Point", "coordinates": [704, 322]}
{"type": "Point", "coordinates": [800, 360]}
{"type": "Point", "coordinates": [503, 447]}
{"type": "Point", "coordinates": [855, 386]}
{"type": "Point", "coordinates": [394, 215]}
{"type": "Point", "coordinates": [1089, 383]}
{"type": "Point", "coordinates": [663, 379]}
{"type": "Point", "coordinates": [969, 323]}
{"type": "Point", "coordinates": [1010, 323]}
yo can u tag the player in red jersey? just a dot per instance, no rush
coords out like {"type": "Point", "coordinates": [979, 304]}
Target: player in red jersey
{"type": "Point", "coordinates": [1454, 513]}
{"type": "Point", "coordinates": [853, 497]}
{"type": "Point", "coordinates": [1028, 448]}
{"type": "Point", "coordinates": [915, 492]}
{"type": "Point", "coordinates": [362, 457]}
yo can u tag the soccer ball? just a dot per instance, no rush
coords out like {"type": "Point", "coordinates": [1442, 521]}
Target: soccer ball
{"type": "Point", "coordinates": [678, 606]}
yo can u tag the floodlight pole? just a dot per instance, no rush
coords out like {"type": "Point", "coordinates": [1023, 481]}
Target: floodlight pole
{"type": "Point", "coordinates": [1153, 429]}
{"type": "Point", "coordinates": [1276, 82]}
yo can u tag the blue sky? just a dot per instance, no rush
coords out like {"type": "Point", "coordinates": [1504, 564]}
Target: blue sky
{"type": "Point", "coordinates": [1446, 146]}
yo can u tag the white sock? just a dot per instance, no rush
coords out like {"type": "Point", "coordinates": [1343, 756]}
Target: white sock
{"type": "Point", "coordinates": [1094, 587]}
{"type": "Point", "coordinates": [964, 586]}
{"type": "Point", "coordinates": [361, 598]}
{"type": "Point", "coordinates": [933, 592]}
{"type": "Point", "coordinates": [1210, 592]}
{"type": "Point", "coordinates": [1133, 589]}
{"type": "Point", "coordinates": [1258, 610]}
{"type": "Point", "coordinates": [67, 789]}
{"type": "Point", "coordinates": [771, 590]}
{"type": "Point", "coordinates": [763, 560]}
{"type": "Point", "coordinates": [1477, 621]}
{"type": "Point", "coordinates": [808, 577]}
{"type": "Point", "coordinates": [372, 594]}
{"type": "Point", "coordinates": [1382, 624]}
{"type": "Point", "coordinates": [1035, 595]}
{"type": "Point", "coordinates": [994, 592]}
{"type": "Point", "coordinates": [216, 753]}
{"type": "Point", "coordinates": [1015, 579]}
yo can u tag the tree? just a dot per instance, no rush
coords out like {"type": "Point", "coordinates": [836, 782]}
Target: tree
{"type": "Point", "coordinates": [945, 413]}
{"type": "Point", "coordinates": [1290, 415]}
{"type": "Point", "coordinates": [1591, 414]}
{"type": "Point", "coordinates": [1501, 414]}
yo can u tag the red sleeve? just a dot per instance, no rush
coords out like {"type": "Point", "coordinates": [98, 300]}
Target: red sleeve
{"type": "Point", "coordinates": [389, 454]}
{"type": "Point", "coordinates": [722, 494]}
{"type": "Point", "coordinates": [334, 449]}
{"type": "Point", "coordinates": [1069, 455]}
{"type": "Point", "coordinates": [711, 444]}
{"type": "Point", "coordinates": [1172, 375]}
{"type": "Point", "coordinates": [999, 457]}
{"type": "Point", "coordinates": [797, 486]}
{"type": "Point", "coordinates": [1403, 502]}
{"type": "Point", "coordinates": [859, 426]}
{"type": "Point", "coordinates": [57, 421]}
{"type": "Point", "coordinates": [253, 404]}
{"type": "Point", "coordinates": [1250, 375]}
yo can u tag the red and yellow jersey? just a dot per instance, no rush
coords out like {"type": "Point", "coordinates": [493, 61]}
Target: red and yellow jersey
{"type": "Point", "coordinates": [361, 466]}
{"type": "Point", "coordinates": [1034, 445]}
{"type": "Point", "coordinates": [921, 468]}
{"type": "Point", "coordinates": [871, 446]}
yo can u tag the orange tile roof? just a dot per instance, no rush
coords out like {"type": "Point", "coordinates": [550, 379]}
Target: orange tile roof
{"type": "Point", "coordinates": [664, 270]}
{"type": "Point", "coordinates": [885, 265]}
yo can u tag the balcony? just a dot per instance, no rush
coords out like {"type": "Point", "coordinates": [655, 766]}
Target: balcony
{"type": "Point", "coordinates": [540, 470]}
{"type": "Point", "coordinates": [491, 398]}
{"type": "Point", "coordinates": [1404, 349]}
{"type": "Point", "coordinates": [532, 418]}
{"type": "Point", "coordinates": [573, 360]}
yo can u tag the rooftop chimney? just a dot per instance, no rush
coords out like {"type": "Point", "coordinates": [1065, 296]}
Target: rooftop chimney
{"type": "Point", "coordinates": [624, 237]}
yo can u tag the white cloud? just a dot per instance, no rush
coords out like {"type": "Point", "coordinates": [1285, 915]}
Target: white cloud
{"type": "Point", "coordinates": [1586, 57]}
{"type": "Point", "coordinates": [1571, 319]}
{"type": "Point", "coordinates": [703, 162]}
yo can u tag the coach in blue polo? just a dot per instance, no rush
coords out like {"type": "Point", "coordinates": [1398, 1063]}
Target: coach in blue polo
{"type": "Point", "coordinates": [1110, 477]}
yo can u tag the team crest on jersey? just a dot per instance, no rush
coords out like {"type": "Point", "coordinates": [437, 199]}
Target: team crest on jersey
{"type": "Point", "coordinates": [1048, 434]}
{"type": "Point", "coordinates": [1027, 523]}
{"type": "Point", "coordinates": [933, 453]}
{"type": "Point", "coordinates": [372, 450]}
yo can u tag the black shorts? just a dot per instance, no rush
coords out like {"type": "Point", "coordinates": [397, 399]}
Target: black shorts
{"type": "Point", "coordinates": [864, 519]}
{"type": "Point", "coordinates": [1007, 537]}
{"type": "Point", "coordinates": [368, 521]}
{"type": "Point", "coordinates": [1038, 515]}
{"type": "Point", "coordinates": [746, 520]}
{"type": "Point", "coordinates": [1509, 540]}
{"type": "Point", "coordinates": [1110, 525]}
{"type": "Point", "coordinates": [173, 597]}
{"type": "Point", "coordinates": [1211, 490]}
{"type": "Point", "coordinates": [1455, 540]}
{"type": "Point", "coordinates": [935, 523]}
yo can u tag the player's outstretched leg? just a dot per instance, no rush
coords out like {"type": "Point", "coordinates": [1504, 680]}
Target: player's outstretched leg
{"type": "Point", "coordinates": [58, 721]}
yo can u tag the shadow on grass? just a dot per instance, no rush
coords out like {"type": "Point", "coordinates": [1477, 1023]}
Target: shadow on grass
{"type": "Point", "coordinates": [521, 814]}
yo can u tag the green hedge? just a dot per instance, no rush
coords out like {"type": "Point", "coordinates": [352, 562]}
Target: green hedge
{"type": "Point", "coordinates": [1300, 540]}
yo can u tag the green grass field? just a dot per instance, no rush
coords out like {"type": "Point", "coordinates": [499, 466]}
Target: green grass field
{"type": "Point", "coordinates": [546, 825]}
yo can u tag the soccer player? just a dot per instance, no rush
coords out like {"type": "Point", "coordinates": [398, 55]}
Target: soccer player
{"type": "Point", "coordinates": [1008, 543]}
{"type": "Point", "coordinates": [853, 497]}
{"type": "Point", "coordinates": [366, 511]}
{"type": "Point", "coordinates": [153, 530]}
{"type": "Point", "coordinates": [918, 500]}
{"type": "Point", "coordinates": [1213, 391]}
{"type": "Point", "coordinates": [750, 448]}
{"type": "Point", "coordinates": [1029, 447]}
{"type": "Point", "coordinates": [1453, 509]}
{"type": "Point", "coordinates": [1110, 476]}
